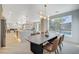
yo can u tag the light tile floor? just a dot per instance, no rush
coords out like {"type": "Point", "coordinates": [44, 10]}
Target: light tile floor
{"type": "Point", "coordinates": [14, 46]}
{"type": "Point", "coordinates": [70, 47]}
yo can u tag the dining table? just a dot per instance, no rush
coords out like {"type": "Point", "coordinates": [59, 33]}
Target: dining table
{"type": "Point", "coordinates": [37, 41]}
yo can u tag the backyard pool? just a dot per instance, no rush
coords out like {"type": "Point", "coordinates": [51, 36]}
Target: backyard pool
{"type": "Point", "coordinates": [67, 34]}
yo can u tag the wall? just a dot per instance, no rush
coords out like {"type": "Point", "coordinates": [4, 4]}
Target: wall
{"type": "Point", "coordinates": [75, 23]}
{"type": "Point", "coordinates": [0, 9]}
{"type": "Point", "coordinates": [0, 33]}
{"type": "Point", "coordinates": [0, 22]}
{"type": "Point", "coordinates": [75, 27]}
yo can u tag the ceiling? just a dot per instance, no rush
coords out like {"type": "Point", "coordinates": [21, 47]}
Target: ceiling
{"type": "Point", "coordinates": [19, 12]}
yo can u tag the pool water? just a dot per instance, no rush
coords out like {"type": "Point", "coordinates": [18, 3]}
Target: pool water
{"type": "Point", "coordinates": [67, 33]}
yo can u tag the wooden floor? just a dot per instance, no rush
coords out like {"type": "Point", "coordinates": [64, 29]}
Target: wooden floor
{"type": "Point", "coordinates": [15, 45]}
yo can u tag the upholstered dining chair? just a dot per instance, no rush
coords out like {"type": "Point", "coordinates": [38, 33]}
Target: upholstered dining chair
{"type": "Point", "coordinates": [51, 40]}
{"type": "Point", "coordinates": [61, 39]}
{"type": "Point", "coordinates": [52, 47]}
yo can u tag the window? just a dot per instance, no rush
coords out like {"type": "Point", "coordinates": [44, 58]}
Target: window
{"type": "Point", "coordinates": [61, 25]}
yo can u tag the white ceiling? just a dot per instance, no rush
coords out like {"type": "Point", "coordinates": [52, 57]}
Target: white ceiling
{"type": "Point", "coordinates": [15, 12]}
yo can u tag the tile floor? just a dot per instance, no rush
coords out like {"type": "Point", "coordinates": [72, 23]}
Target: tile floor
{"type": "Point", "coordinates": [15, 46]}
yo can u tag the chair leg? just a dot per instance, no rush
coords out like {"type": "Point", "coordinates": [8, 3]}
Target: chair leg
{"type": "Point", "coordinates": [57, 51]}
{"type": "Point", "coordinates": [62, 44]}
{"type": "Point", "coordinates": [49, 52]}
{"type": "Point", "coordinates": [60, 47]}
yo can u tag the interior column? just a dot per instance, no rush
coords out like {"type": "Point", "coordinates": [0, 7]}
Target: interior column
{"type": "Point", "coordinates": [2, 29]}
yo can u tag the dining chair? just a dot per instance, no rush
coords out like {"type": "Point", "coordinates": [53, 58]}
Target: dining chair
{"type": "Point", "coordinates": [52, 47]}
{"type": "Point", "coordinates": [51, 40]}
{"type": "Point", "coordinates": [61, 39]}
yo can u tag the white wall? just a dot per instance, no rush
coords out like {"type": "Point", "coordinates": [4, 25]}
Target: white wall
{"type": "Point", "coordinates": [75, 24]}
{"type": "Point", "coordinates": [75, 27]}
